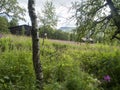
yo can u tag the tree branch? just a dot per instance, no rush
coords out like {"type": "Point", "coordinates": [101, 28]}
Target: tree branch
{"type": "Point", "coordinates": [108, 18]}
{"type": "Point", "coordinates": [101, 7]}
{"type": "Point", "coordinates": [115, 34]}
{"type": "Point", "coordinates": [117, 38]}
{"type": "Point", "coordinates": [5, 14]}
{"type": "Point", "coordinates": [104, 26]}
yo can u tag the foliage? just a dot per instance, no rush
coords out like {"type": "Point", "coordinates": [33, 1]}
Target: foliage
{"type": "Point", "coordinates": [13, 22]}
{"type": "Point", "coordinates": [11, 9]}
{"type": "Point", "coordinates": [16, 70]}
{"type": "Point", "coordinates": [49, 17]}
{"type": "Point", "coordinates": [3, 25]}
{"type": "Point", "coordinates": [53, 34]}
{"type": "Point", "coordinates": [61, 35]}
{"type": "Point", "coordinates": [102, 63]}
{"type": "Point", "coordinates": [97, 16]}
{"type": "Point", "coordinates": [46, 29]}
{"type": "Point", "coordinates": [73, 36]}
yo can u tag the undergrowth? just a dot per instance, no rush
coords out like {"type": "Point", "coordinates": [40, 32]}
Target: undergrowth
{"type": "Point", "coordinates": [65, 66]}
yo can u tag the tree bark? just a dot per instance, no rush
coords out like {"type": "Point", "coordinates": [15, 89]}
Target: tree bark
{"type": "Point", "coordinates": [35, 45]}
{"type": "Point", "coordinates": [115, 17]}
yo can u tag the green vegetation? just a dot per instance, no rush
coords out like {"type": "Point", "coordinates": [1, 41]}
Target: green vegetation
{"type": "Point", "coordinates": [53, 33]}
{"type": "Point", "coordinates": [65, 67]}
{"type": "Point", "coordinates": [48, 16]}
{"type": "Point", "coordinates": [12, 9]}
{"type": "Point", "coordinates": [13, 22]}
{"type": "Point", "coordinates": [97, 18]}
{"type": "Point", "coordinates": [3, 25]}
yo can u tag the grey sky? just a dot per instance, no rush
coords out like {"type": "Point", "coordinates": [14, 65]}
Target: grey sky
{"type": "Point", "coordinates": [62, 10]}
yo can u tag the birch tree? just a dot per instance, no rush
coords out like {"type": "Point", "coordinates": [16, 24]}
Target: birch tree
{"type": "Point", "coordinates": [35, 45]}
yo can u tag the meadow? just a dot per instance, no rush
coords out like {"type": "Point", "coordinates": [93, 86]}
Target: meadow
{"type": "Point", "coordinates": [65, 66]}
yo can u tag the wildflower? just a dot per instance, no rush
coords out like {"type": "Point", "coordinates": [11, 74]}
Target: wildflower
{"type": "Point", "coordinates": [107, 78]}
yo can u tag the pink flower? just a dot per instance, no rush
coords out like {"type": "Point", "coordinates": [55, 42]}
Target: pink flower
{"type": "Point", "coordinates": [107, 78]}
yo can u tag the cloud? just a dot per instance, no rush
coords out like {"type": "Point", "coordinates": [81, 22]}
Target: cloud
{"type": "Point", "coordinates": [62, 10]}
{"type": "Point", "coordinates": [64, 15]}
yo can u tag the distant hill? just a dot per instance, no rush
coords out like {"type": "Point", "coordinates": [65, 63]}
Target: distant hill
{"type": "Point", "coordinates": [67, 29]}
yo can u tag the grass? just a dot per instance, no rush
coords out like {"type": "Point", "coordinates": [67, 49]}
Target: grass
{"type": "Point", "coordinates": [65, 66]}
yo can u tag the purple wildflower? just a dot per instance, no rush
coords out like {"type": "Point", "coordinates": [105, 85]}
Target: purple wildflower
{"type": "Point", "coordinates": [107, 78]}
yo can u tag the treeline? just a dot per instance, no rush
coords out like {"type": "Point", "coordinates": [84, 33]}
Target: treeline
{"type": "Point", "coordinates": [49, 32]}
{"type": "Point", "coordinates": [57, 34]}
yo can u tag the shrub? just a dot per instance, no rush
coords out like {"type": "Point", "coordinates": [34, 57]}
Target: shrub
{"type": "Point", "coordinates": [102, 64]}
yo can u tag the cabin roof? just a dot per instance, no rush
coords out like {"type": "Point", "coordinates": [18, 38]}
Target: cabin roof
{"type": "Point", "coordinates": [20, 26]}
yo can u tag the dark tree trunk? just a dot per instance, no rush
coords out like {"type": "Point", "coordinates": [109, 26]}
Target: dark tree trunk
{"type": "Point", "coordinates": [115, 17]}
{"type": "Point", "coordinates": [35, 45]}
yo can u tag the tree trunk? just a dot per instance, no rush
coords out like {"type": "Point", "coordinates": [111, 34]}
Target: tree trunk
{"type": "Point", "coordinates": [115, 16]}
{"type": "Point", "coordinates": [35, 45]}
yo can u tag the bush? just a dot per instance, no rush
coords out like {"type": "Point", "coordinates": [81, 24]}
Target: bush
{"type": "Point", "coordinates": [101, 64]}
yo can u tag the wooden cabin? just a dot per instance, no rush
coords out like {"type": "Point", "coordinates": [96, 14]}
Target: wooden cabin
{"type": "Point", "coordinates": [21, 29]}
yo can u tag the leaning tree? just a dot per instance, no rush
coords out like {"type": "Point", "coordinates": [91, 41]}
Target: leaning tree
{"type": "Point", "coordinates": [35, 45]}
{"type": "Point", "coordinates": [95, 16]}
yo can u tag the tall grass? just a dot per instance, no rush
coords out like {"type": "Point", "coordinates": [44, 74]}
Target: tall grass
{"type": "Point", "coordinates": [65, 66]}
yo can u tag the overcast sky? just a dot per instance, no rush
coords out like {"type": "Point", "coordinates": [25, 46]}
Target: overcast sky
{"type": "Point", "coordinates": [62, 11]}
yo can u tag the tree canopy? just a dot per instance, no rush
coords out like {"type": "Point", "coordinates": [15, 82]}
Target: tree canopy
{"type": "Point", "coordinates": [3, 25]}
{"type": "Point", "coordinates": [13, 22]}
{"type": "Point", "coordinates": [11, 9]}
{"type": "Point", "coordinates": [49, 15]}
{"type": "Point", "coordinates": [94, 16]}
